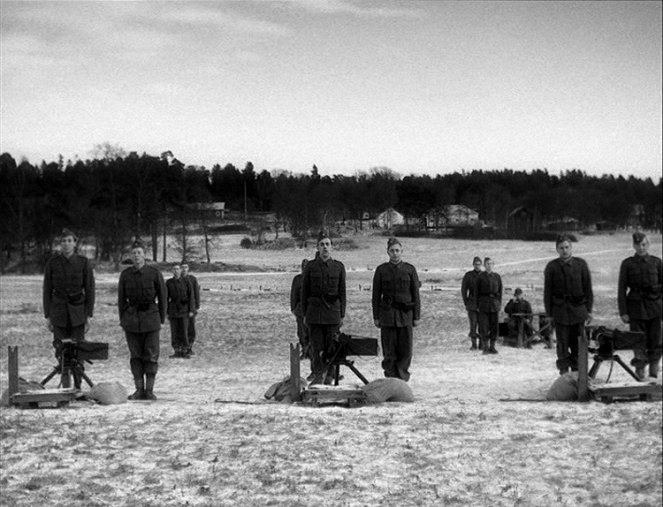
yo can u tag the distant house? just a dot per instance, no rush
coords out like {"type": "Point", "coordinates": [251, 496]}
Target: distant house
{"type": "Point", "coordinates": [563, 224]}
{"type": "Point", "coordinates": [210, 210]}
{"type": "Point", "coordinates": [389, 218]}
{"type": "Point", "coordinates": [520, 220]}
{"type": "Point", "coordinates": [451, 215]}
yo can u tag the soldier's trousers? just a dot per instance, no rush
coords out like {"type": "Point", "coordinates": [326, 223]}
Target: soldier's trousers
{"type": "Point", "coordinates": [651, 353]}
{"type": "Point", "coordinates": [179, 333]}
{"type": "Point", "coordinates": [397, 351]}
{"type": "Point", "coordinates": [488, 327]}
{"type": "Point", "coordinates": [143, 353]}
{"type": "Point", "coordinates": [473, 318]}
{"type": "Point", "coordinates": [567, 345]}
{"type": "Point", "coordinates": [191, 330]}
{"type": "Point", "coordinates": [321, 336]}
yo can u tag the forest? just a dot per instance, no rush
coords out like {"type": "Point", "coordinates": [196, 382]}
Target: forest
{"type": "Point", "coordinates": [115, 196]}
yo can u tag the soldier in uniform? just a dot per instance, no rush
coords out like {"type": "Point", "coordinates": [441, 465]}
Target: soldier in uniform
{"type": "Point", "coordinates": [519, 310]}
{"type": "Point", "coordinates": [180, 310]}
{"type": "Point", "coordinates": [488, 300]}
{"type": "Point", "coordinates": [323, 306]}
{"type": "Point", "coordinates": [466, 292]}
{"type": "Point", "coordinates": [396, 310]}
{"type": "Point", "coordinates": [568, 299]}
{"type": "Point", "coordinates": [68, 293]}
{"type": "Point", "coordinates": [640, 304]}
{"type": "Point", "coordinates": [141, 301]}
{"type": "Point", "coordinates": [296, 310]}
{"type": "Point", "coordinates": [195, 288]}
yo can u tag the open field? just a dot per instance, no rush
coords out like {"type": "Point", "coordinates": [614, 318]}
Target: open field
{"type": "Point", "coordinates": [460, 443]}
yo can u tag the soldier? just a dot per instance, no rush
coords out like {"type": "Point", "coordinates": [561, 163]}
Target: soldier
{"type": "Point", "coordinates": [68, 293]}
{"type": "Point", "coordinates": [642, 308]}
{"type": "Point", "coordinates": [466, 292]}
{"type": "Point", "coordinates": [323, 306]}
{"type": "Point", "coordinates": [519, 310]}
{"type": "Point", "coordinates": [296, 309]}
{"type": "Point", "coordinates": [141, 301]}
{"type": "Point", "coordinates": [488, 300]}
{"type": "Point", "coordinates": [568, 299]}
{"type": "Point", "coordinates": [396, 310]}
{"type": "Point", "coordinates": [195, 287]}
{"type": "Point", "coordinates": [180, 310]}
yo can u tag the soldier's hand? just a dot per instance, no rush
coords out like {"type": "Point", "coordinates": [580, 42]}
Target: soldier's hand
{"type": "Point", "coordinates": [376, 322]}
{"type": "Point", "coordinates": [415, 323]}
{"type": "Point", "coordinates": [625, 318]}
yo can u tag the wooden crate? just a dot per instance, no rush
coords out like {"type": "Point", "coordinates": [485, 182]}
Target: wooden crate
{"type": "Point", "coordinates": [333, 395]}
{"type": "Point", "coordinates": [44, 398]}
{"type": "Point", "coordinates": [607, 393]}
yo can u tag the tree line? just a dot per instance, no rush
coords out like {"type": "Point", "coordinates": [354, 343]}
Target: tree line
{"type": "Point", "coordinates": [114, 197]}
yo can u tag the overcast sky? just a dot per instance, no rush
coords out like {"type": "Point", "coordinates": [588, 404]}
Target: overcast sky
{"type": "Point", "coordinates": [420, 87]}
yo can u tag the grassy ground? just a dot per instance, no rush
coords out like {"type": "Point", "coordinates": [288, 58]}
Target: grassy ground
{"type": "Point", "coordinates": [460, 443]}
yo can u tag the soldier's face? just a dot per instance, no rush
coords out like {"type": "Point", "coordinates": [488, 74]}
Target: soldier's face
{"type": "Point", "coordinates": [489, 266]}
{"type": "Point", "coordinates": [477, 265]}
{"type": "Point", "coordinates": [395, 252]}
{"type": "Point", "coordinates": [67, 243]}
{"type": "Point", "coordinates": [177, 271]}
{"type": "Point", "coordinates": [324, 247]}
{"type": "Point", "coordinates": [565, 250]}
{"type": "Point", "coordinates": [138, 256]}
{"type": "Point", "coordinates": [185, 270]}
{"type": "Point", "coordinates": [642, 247]}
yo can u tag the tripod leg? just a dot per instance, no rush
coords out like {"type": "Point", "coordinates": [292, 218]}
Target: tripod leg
{"type": "Point", "coordinates": [357, 372]}
{"type": "Point", "coordinates": [48, 377]}
{"type": "Point", "coordinates": [626, 367]}
{"type": "Point", "coordinates": [595, 367]}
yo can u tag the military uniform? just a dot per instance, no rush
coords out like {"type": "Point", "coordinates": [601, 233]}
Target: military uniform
{"type": "Point", "coordinates": [488, 300]}
{"type": "Point", "coordinates": [180, 304]}
{"type": "Point", "coordinates": [195, 293]}
{"type": "Point", "coordinates": [523, 307]}
{"type": "Point", "coordinates": [68, 296]}
{"type": "Point", "coordinates": [323, 306]}
{"type": "Point", "coordinates": [467, 293]}
{"type": "Point", "coordinates": [141, 303]}
{"type": "Point", "coordinates": [296, 309]}
{"type": "Point", "coordinates": [639, 297]}
{"type": "Point", "coordinates": [568, 298]}
{"type": "Point", "coordinates": [396, 304]}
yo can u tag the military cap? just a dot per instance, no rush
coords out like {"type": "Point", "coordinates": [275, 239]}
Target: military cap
{"type": "Point", "coordinates": [476, 259]}
{"type": "Point", "coordinates": [561, 238]}
{"type": "Point", "coordinates": [322, 235]}
{"type": "Point", "coordinates": [393, 241]}
{"type": "Point", "coordinates": [138, 244]}
{"type": "Point", "coordinates": [486, 259]}
{"type": "Point", "coordinates": [68, 232]}
{"type": "Point", "coordinates": [518, 291]}
{"type": "Point", "coordinates": [638, 237]}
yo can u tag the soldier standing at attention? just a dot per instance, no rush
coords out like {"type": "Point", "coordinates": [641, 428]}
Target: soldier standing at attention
{"type": "Point", "coordinates": [141, 298]}
{"type": "Point", "coordinates": [488, 300]}
{"type": "Point", "coordinates": [323, 306]}
{"type": "Point", "coordinates": [180, 310]}
{"type": "Point", "coordinates": [642, 307]}
{"type": "Point", "coordinates": [296, 310]}
{"type": "Point", "coordinates": [396, 310]}
{"type": "Point", "coordinates": [467, 293]}
{"type": "Point", "coordinates": [568, 299]}
{"type": "Point", "coordinates": [68, 292]}
{"type": "Point", "coordinates": [195, 288]}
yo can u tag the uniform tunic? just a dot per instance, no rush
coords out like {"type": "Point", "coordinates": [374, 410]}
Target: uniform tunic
{"type": "Point", "coordinates": [195, 287]}
{"type": "Point", "coordinates": [522, 306]}
{"type": "Point", "coordinates": [296, 309]}
{"type": "Point", "coordinates": [467, 293]}
{"type": "Point", "coordinates": [323, 306]}
{"type": "Point", "coordinates": [488, 300]}
{"type": "Point", "coordinates": [68, 295]}
{"type": "Point", "coordinates": [568, 298]}
{"type": "Point", "coordinates": [396, 304]}
{"type": "Point", "coordinates": [141, 304]}
{"type": "Point", "coordinates": [180, 305]}
{"type": "Point", "coordinates": [639, 297]}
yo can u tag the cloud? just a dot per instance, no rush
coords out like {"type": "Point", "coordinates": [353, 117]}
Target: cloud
{"type": "Point", "coordinates": [364, 9]}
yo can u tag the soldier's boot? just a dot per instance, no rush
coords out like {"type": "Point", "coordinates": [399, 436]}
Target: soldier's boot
{"type": "Point", "coordinates": [485, 347]}
{"type": "Point", "coordinates": [139, 394]}
{"type": "Point", "coordinates": [492, 348]}
{"type": "Point", "coordinates": [640, 372]}
{"type": "Point", "coordinates": [474, 343]}
{"type": "Point", "coordinates": [149, 386]}
{"type": "Point", "coordinates": [653, 369]}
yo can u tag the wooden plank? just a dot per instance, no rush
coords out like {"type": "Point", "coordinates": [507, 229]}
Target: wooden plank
{"type": "Point", "coordinates": [295, 387]}
{"type": "Point", "coordinates": [44, 395]}
{"type": "Point", "coordinates": [583, 374]}
{"type": "Point", "coordinates": [12, 369]}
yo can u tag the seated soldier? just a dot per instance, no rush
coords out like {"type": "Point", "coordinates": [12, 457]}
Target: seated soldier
{"type": "Point", "coordinates": [519, 310]}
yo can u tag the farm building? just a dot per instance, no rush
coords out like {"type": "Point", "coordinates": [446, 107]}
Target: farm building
{"type": "Point", "coordinates": [389, 218]}
{"type": "Point", "coordinates": [451, 215]}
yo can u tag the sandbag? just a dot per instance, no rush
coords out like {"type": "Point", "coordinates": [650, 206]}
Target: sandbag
{"type": "Point", "coordinates": [388, 389]}
{"type": "Point", "coordinates": [108, 393]}
{"type": "Point", "coordinates": [565, 388]}
{"type": "Point", "coordinates": [24, 386]}
{"type": "Point", "coordinates": [280, 391]}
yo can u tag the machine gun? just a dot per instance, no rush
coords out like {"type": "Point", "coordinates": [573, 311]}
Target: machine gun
{"type": "Point", "coordinates": [604, 342]}
{"type": "Point", "coordinates": [344, 345]}
{"type": "Point", "coordinates": [72, 358]}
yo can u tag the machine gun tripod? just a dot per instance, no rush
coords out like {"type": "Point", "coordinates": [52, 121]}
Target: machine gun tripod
{"type": "Point", "coordinates": [344, 345]}
{"type": "Point", "coordinates": [72, 358]}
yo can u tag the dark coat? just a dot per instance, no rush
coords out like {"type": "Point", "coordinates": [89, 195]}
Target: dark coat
{"type": "Point", "coordinates": [323, 292]}
{"type": "Point", "coordinates": [395, 300]}
{"type": "Point", "coordinates": [521, 306]}
{"type": "Point", "coordinates": [68, 291]}
{"type": "Point", "coordinates": [467, 289]}
{"type": "Point", "coordinates": [296, 295]}
{"type": "Point", "coordinates": [195, 291]}
{"type": "Point", "coordinates": [567, 291]}
{"type": "Point", "coordinates": [639, 288]}
{"type": "Point", "coordinates": [488, 292]}
{"type": "Point", "coordinates": [141, 299]}
{"type": "Point", "coordinates": [180, 297]}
